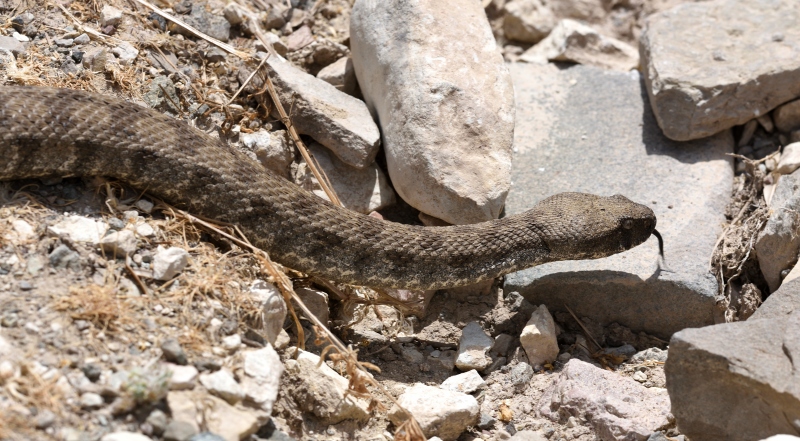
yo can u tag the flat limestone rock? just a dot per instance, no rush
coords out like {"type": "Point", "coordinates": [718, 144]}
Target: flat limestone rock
{"type": "Point", "coordinates": [741, 61]}
{"type": "Point", "coordinates": [588, 130]}
{"type": "Point", "coordinates": [432, 76]}
{"type": "Point", "coordinates": [736, 381]}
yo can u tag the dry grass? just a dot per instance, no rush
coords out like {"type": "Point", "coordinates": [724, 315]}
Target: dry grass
{"type": "Point", "coordinates": [733, 261]}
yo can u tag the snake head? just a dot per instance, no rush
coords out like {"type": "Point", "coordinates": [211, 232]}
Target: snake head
{"type": "Point", "coordinates": [584, 226]}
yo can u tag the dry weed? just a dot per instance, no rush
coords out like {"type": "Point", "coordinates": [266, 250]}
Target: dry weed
{"type": "Point", "coordinates": [733, 261]}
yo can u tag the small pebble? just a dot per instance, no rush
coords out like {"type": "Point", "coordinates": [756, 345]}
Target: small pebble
{"type": "Point", "coordinates": [173, 352]}
{"type": "Point", "coordinates": [90, 400]}
{"type": "Point", "coordinates": [158, 421]}
{"type": "Point", "coordinates": [116, 224]}
{"type": "Point", "coordinates": [45, 419]}
{"type": "Point", "coordinates": [81, 39]}
{"type": "Point", "coordinates": [25, 285]}
{"type": "Point", "coordinates": [92, 371]}
{"type": "Point", "coordinates": [179, 431]}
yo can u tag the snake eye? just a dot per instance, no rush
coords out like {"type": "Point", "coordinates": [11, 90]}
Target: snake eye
{"type": "Point", "coordinates": [627, 224]}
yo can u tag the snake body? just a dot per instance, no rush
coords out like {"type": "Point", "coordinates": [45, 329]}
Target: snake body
{"type": "Point", "coordinates": [48, 132]}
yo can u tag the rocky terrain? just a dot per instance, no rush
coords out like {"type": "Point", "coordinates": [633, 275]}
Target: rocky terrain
{"type": "Point", "coordinates": [123, 318]}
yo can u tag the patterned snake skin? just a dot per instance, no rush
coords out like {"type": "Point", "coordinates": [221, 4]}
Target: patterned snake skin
{"type": "Point", "coordinates": [58, 132]}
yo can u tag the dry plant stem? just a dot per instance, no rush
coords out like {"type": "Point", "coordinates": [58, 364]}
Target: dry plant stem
{"type": "Point", "coordinates": [285, 286]}
{"type": "Point", "coordinates": [324, 183]}
{"type": "Point", "coordinates": [226, 47]}
{"type": "Point", "coordinates": [315, 170]}
{"type": "Point", "coordinates": [586, 331]}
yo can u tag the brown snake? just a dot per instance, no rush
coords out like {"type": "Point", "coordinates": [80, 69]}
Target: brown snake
{"type": "Point", "coordinates": [58, 132]}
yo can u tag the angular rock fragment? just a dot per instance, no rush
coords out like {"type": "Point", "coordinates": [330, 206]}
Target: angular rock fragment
{"type": "Point", "coordinates": [742, 61]}
{"type": "Point", "coordinates": [431, 74]}
{"type": "Point", "coordinates": [777, 244]}
{"type": "Point", "coordinates": [538, 338]}
{"type": "Point", "coordinates": [473, 347]}
{"type": "Point", "coordinates": [573, 41]}
{"type": "Point", "coordinates": [528, 21]}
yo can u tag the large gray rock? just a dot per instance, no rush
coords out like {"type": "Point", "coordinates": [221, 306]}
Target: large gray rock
{"type": "Point", "coordinates": [736, 381]}
{"type": "Point", "coordinates": [431, 73]}
{"type": "Point", "coordinates": [585, 129]}
{"type": "Point", "coordinates": [617, 407]}
{"type": "Point", "coordinates": [333, 118]}
{"type": "Point", "coordinates": [777, 244]}
{"type": "Point", "coordinates": [742, 60]}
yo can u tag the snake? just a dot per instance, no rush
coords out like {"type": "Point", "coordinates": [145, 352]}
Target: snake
{"type": "Point", "coordinates": [54, 132]}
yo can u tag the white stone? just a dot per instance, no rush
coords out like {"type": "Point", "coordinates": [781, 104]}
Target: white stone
{"type": "Point", "coordinates": [434, 78]}
{"type": "Point", "coordinates": [21, 38]}
{"type": "Point", "coordinates": [231, 342]}
{"type": "Point", "coordinates": [538, 337]}
{"type": "Point", "coordinates": [125, 53]}
{"type": "Point", "coordinates": [24, 231]}
{"type": "Point", "coordinates": [338, 404]}
{"type": "Point", "coordinates": [79, 229]}
{"type": "Point", "coordinates": [222, 384]}
{"type": "Point", "coordinates": [182, 408]}
{"type": "Point", "coordinates": [231, 423]}
{"type": "Point", "coordinates": [363, 190]}
{"type": "Point", "coordinates": [316, 301]}
{"type": "Point", "coordinates": [125, 436]}
{"type": "Point", "coordinates": [144, 229]}
{"type": "Point", "coordinates": [274, 308]}
{"type": "Point", "coordinates": [90, 400]}
{"type": "Point", "coordinates": [144, 205]}
{"type": "Point", "coordinates": [271, 149]}
{"type": "Point", "coordinates": [169, 262]}
{"type": "Point", "coordinates": [7, 370]}
{"type": "Point", "coordinates": [528, 21]}
{"type": "Point", "coordinates": [466, 382]}
{"type": "Point", "coordinates": [473, 346]}
{"type": "Point", "coordinates": [182, 377]}
{"type": "Point", "coordinates": [573, 41]}
{"type": "Point", "coordinates": [119, 243]}
{"type": "Point", "coordinates": [110, 16]}
{"type": "Point", "coordinates": [790, 159]}
{"type": "Point", "coordinates": [441, 413]}
{"type": "Point", "coordinates": [262, 369]}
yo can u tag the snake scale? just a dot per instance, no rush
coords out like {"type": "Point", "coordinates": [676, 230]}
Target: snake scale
{"type": "Point", "coordinates": [48, 132]}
